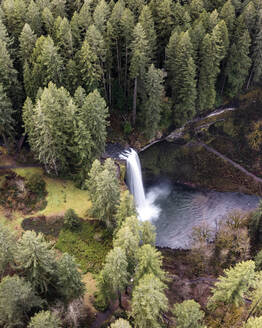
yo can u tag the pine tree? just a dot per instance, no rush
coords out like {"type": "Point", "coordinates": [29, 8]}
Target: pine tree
{"type": "Point", "coordinates": [114, 276]}
{"type": "Point", "coordinates": [70, 285]}
{"type": "Point", "coordinates": [152, 107]}
{"type": "Point", "coordinates": [148, 301]}
{"type": "Point", "coordinates": [148, 233]}
{"type": "Point", "coordinates": [120, 323]}
{"type": "Point", "coordinates": [257, 52]}
{"type": "Point", "coordinates": [228, 15]}
{"type": "Point", "coordinates": [196, 8]}
{"type": "Point", "coordinates": [238, 64]}
{"type": "Point", "coordinates": [184, 83]}
{"type": "Point", "coordinates": [15, 16]}
{"type": "Point", "coordinates": [37, 259]}
{"type": "Point", "coordinates": [17, 298]}
{"type": "Point", "coordinates": [106, 195]}
{"type": "Point", "coordinates": [101, 15]}
{"type": "Point", "coordinates": [7, 122]}
{"type": "Point", "coordinates": [231, 288]}
{"type": "Point", "coordinates": [207, 75]}
{"type": "Point", "coordinates": [139, 61]}
{"type": "Point", "coordinates": [129, 243]}
{"type": "Point", "coordinates": [64, 39]}
{"type": "Point", "coordinates": [46, 66]}
{"type": "Point", "coordinates": [27, 41]}
{"type": "Point", "coordinates": [149, 262]}
{"type": "Point", "coordinates": [50, 127]}
{"type": "Point", "coordinates": [33, 17]}
{"type": "Point", "coordinates": [8, 74]}
{"type": "Point", "coordinates": [90, 71]}
{"type": "Point", "coordinates": [48, 21]}
{"type": "Point", "coordinates": [188, 314]}
{"type": "Point", "coordinates": [45, 319]}
{"type": "Point", "coordinates": [93, 115]}
{"type": "Point", "coordinates": [125, 208]}
{"type": "Point", "coordinates": [7, 249]}
{"type": "Point", "coordinates": [148, 25]}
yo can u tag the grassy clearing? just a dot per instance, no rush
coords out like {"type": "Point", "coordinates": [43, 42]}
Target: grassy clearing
{"type": "Point", "coordinates": [89, 245]}
{"type": "Point", "coordinates": [62, 194]}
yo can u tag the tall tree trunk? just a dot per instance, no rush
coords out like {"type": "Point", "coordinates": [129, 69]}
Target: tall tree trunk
{"type": "Point", "coordinates": [110, 88]}
{"type": "Point", "coordinates": [120, 300]}
{"type": "Point", "coordinates": [134, 102]}
{"type": "Point", "coordinates": [125, 91]}
{"type": "Point", "coordinates": [118, 62]}
{"type": "Point", "coordinates": [20, 143]}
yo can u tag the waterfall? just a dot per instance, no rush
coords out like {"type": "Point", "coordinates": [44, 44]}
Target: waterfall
{"type": "Point", "coordinates": [134, 177]}
{"type": "Point", "coordinates": [145, 204]}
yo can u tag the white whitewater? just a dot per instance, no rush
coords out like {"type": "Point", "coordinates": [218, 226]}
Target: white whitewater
{"type": "Point", "coordinates": [145, 206]}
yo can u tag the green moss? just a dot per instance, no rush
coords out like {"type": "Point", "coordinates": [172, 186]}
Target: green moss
{"type": "Point", "coordinates": [84, 245]}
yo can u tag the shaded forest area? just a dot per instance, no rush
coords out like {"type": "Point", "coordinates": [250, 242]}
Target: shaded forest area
{"type": "Point", "coordinates": [149, 65]}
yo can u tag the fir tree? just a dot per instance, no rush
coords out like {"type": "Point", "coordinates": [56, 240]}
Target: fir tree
{"type": "Point", "coordinates": [114, 276]}
{"type": "Point", "coordinates": [188, 314]}
{"type": "Point", "coordinates": [125, 208]}
{"type": "Point", "coordinates": [27, 41]}
{"type": "Point", "coordinates": [7, 249]}
{"type": "Point", "coordinates": [45, 319]}
{"type": "Point", "coordinates": [148, 301]}
{"type": "Point", "coordinates": [17, 298]}
{"type": "Point", "coordinates": [120, 323]}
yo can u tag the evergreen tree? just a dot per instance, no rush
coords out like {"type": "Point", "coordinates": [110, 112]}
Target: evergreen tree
{"type": "Point", "coordinates": [149, 262]}
{"type": "Point", "coordinates": [207, 75]}
{"type": "Point", "coordinates": [91, 182]}
{"type": "Point", "coordinates": [64, 38]}
{"type": "Point", "coordinates": [155, 92]}
{"type": "Point", "coordinates": [17, 298]}
{"type": "Point", "coordinates": [37, 260]}
{"type": "Point", "coordinates": [7, 249]}
{"type": "Point", "coordinates": [70, 285]}
{"type": "Point", "coordinates": [129, 243]}
{"type": "Point", "coordinates": [148, 25]}
{"type": "Point", "coordinates": [7, 122]}
{"type": "Point", "coordinates": [228, 15]}
{"type": "Point", "coordinates": [125, 208]}
{"type": "Point", "coordinates": [231, 288]}
{"type": "Point", "coordinates": [49, 127]}
{"type": "Point", "coordinates": [48, 21]}
{"type": "Point", "coordinates": [114, 276]}
{"type": "Point", "coordinates": [33, 17]}
{"type": "Point", "coordinates": [139, 61]}
{"type": "Point", "coordinates": [238, 64]}
{"type": "Point", "coordinates": [148, 301]}
{"type": "Point", "coordinates": [196, 7]}
{"type": "Point", "coordinates": [8, 74]}
{"type": "Point", "coordinates": [106, 196]}
{"type": "Point", "coordinates": [101, 15]}
{"type": "Point", "coordinates": [27, 41]}
{"type": "Point", "coordinates": [188, 314]}
{"type": "Point", "coordinates": [148, 233]}
{"type": "Point", "coordinates": [46, 66]}
{"type": "Point", "coordinates": [90, 71]}
{"type": "Point", "coordinates": [93, 115]}
{"type": "Point", "coordinates": [120, 323]}
{"type": "Point", "coordinates": [15, 16]}
{"type": "Point", "coordinates": [45, 319]}
{"type": "Point", "coordinates": [257, 52]}
{"type": "Point", "coordinates": [184, 83]}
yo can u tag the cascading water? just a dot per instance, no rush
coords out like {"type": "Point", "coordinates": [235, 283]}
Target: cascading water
{"type": "Point", "coordinates": [134, 177]}
{"type": "Point", "coordinates": [145, 206]}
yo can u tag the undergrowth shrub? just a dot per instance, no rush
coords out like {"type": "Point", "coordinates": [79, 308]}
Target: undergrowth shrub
{"type": "Point", "coordinates": [36, 184]}
{"type": "Point", "coordinates": [71, 220]}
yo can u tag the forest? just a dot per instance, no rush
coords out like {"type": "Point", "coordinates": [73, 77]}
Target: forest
{"type": "Point", "coordinates": [78, 75]}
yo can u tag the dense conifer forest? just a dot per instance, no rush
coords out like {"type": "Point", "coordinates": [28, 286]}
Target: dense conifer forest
{"type": "Point", "coordinates": [75, 75]}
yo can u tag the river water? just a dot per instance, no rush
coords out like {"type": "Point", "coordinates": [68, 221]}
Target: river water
{"type": "Point", "coordinates": [178, 208]}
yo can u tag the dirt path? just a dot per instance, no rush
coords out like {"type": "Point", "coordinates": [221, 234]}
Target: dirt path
{"type": "Point", "coordinates": [225, 158]}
